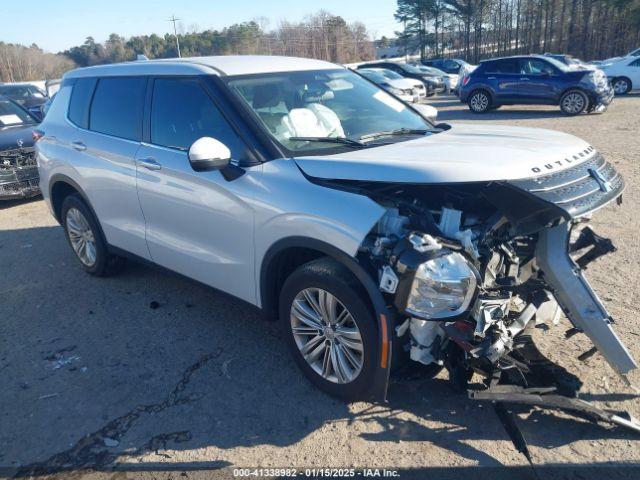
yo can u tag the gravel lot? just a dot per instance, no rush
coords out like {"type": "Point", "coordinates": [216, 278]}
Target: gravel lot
{"type": "Point", "coordinates": [93, 378]}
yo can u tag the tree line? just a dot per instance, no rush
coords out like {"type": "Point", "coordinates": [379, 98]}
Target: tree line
{"type": "Point", "coordinates": [322, 36]}
{"type": "Point", "coordinates": [477, 29]}
{"type": "Point", "coordinates": [19, 63]}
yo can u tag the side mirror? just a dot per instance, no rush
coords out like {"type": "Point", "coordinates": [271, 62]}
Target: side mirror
{"type": "Point", "coordinates": [427, 111]}
{"type": "Point", "coordinates": [207, 153]}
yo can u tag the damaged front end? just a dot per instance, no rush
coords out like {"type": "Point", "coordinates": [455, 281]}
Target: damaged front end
{"type": "Point", "coordinates": [18, 173]}
{"type": "Point", "coordinates": [471, 268]}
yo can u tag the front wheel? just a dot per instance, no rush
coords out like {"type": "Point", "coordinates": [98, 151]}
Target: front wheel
{"type": "Point", "coordinates": [479, 101]}
{"type": "Point", "coordinates": [574, 102]}
{"type": "Point", "coordinates": [330, 330]}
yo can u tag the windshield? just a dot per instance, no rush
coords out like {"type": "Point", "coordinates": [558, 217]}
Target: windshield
{"type": "Point", "coordinates": [332, 105]}
{"type": "Point", "coordinates": [11, 114]}
{"type": "Point", "coordinates": [558, 64]}
{"type": "Point", "coordinates": [390, 74]}
{"type": "Point", "coordinates": [432, 71]}
{"type": "Point", "coordinates": [20, 92]}
{"type": "Point", "coordinates": [374, 76]}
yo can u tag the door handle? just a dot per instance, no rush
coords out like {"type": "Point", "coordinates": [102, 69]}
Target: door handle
{"type": "Point", "coordinates": [149, 164]}
{"type": "Point", "coordinates": [79, 146]}
{"type": "Point", "coordinates": [491, 78]}
{"type": "Point", "coordinates": [524, 78]}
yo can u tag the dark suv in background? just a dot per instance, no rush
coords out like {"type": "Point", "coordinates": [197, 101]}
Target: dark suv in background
{"type": "Point", "coordinates": [535, 80]}
{"type": "Point", "coordinates": [447, 65]}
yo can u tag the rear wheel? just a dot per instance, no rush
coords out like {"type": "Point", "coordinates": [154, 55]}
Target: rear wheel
{"type": "Point", "coordinates": [330, 330]}
{"type": "Point", "coordinates": [85, 238]}
{"type": "Point", "coordinates": [479, 101]}
{"type": "Point", "coordinates": [621, 85]}
{"type": "Point", "coordinates": [574, 102]}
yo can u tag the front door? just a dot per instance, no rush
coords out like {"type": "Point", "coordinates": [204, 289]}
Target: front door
{"type": "Point", "coordinates": [537, 81]}
{"type": "Point", "coordinates": [197, 223]}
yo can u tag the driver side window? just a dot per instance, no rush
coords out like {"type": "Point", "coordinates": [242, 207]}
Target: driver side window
{"type": "Point", "coordinates": [182, 112]}
{"type": "Point", "coordinates": [534, 66]}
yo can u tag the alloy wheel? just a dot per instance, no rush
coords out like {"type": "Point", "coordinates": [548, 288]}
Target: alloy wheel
{"type": "Point", "coordinates": [327, 335]}
{"type": "Point", "coordinates": [81, 237]}
{"type": "Point", "coordinates": [573, 103]}
{"type": "Point", "coordinates": [479, 102]}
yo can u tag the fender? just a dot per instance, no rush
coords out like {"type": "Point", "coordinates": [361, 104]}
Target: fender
{"type": "Point", "coordinates": [384, 315]}
{"type": "Point", "coordinates": [61, 178]}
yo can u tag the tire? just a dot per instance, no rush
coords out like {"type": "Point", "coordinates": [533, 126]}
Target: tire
{"type": "Point", "coordinates": [332, 366]}
{"type": "Point", "coordinates": [81, 228]}
{"type": "Point", "coordinates": [621, 85]}
{"type": "Point", "coordinates": [574, 102]}
{"type": "Point", "coordinates": [479, 101]}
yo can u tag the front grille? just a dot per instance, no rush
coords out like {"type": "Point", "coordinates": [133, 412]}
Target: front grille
{"type": "Point", "coordinates": [577, 190]}
{"type": "Point", "coordinates": [19, 157]}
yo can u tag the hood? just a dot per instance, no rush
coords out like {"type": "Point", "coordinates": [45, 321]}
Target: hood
{"type": "Point", "coordinates": [403, 83]}
{"type": "Point", "coordinates": [10, 137]}
{"type": "Point", "coordinates": [465, 153]}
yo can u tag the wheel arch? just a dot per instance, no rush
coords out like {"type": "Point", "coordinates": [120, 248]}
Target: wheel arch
{"type": "Point", "coordinates": [287, 254]}
{"type": "Point", "coordinates": [60, 187]}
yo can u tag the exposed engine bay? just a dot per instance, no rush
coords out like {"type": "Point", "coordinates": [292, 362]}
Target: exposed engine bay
{"type": "Point", "coordinates": [471, 269]}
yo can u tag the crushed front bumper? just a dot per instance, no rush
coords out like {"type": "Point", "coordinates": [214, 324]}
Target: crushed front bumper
{"type": "Point", "coordinates": [18, 174]}
{"type": "Point", "coordinates": [579, 302]}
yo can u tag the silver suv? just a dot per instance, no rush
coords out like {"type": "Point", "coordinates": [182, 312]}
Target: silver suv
{"type": "Point", "coordinates": [379, 240]}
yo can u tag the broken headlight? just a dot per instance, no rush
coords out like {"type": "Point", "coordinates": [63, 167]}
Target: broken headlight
{"type": "Point", "coordinates": [442, 287]}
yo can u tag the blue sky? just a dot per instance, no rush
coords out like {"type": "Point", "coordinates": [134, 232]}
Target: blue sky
{"type": "Point", "coordinates": [56, 25]}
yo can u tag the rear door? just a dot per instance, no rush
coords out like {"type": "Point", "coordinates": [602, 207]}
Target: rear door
{"type": "Point", "coordinates": [108, 114]}
{"type": "Point", "coordinates": [501, 76]}
{"type": "Point", "coordinates": [197, 223]}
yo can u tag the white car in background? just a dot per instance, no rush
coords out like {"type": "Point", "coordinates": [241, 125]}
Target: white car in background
{"type": "Point", "coordinates": [388, 79]}
{"type": "Point", "coordinates": [624, 74]}
{"type": "Point", "coordinates": [397, 85]}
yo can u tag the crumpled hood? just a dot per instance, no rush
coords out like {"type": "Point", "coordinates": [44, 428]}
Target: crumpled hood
{"type": "Point", "coordinates": [465, 153]}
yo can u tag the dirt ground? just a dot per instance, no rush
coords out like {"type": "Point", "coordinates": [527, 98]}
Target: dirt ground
{"type": "Point", "coordinates": [93, 379]}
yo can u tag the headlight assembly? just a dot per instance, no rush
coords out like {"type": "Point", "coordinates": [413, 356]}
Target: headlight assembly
{"type": "Point", "coordinates": [442, 287]}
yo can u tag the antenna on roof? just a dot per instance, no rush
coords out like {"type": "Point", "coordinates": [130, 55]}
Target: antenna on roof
{"type": "Point", "coordinates": [140, 57]}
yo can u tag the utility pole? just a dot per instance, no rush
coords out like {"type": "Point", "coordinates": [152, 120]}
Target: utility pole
{"type": "Point", "coordinates": [175, 32]}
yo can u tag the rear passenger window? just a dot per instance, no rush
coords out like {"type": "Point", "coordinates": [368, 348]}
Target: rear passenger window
{"type": "Point", "coordinates": [503, 66]}
{"type": "Point", "coordinates": [117, 107]}
{"type": "Point", "coordinates": [182, 112]}
{"type": "Point", "coordinates": [80, 100]}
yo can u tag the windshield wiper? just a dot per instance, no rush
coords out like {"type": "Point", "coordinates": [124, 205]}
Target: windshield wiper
{"type": "Point", "coordinates": [398, 131]}
{"type": "Point", "coordinates": [342, 140]}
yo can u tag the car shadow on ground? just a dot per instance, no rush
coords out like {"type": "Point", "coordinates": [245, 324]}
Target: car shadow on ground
{"type": "Point", "coordinates": [6, 204]}
{"type": "Point", "coordinates": [98, 372]}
